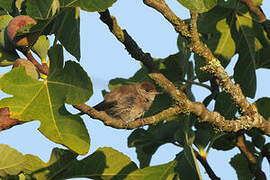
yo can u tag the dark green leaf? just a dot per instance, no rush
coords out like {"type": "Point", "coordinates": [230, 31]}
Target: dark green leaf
{"type": "Point", "coordinates": [7, 5]}
{"type": "Point", "coordinates": [148, 141]}
{"type": "Point", "coordinates": [225, 105]}
{"type": "Point", "coordinates": [66, 27]}
{"type": "Point", "coordinates": [263, 58]}
{"type": "Point", "coordinates": [202, 75]}
{"type": "Point", "coordinates": [186, 160]}
{"type": "Point", "coordinates": [240, 164]}
{"type": "Point", "coordinates": [258, 141]}
{"type": "Point", "coordinates": [203, 135]}
{"type": "Point", "coordinates": [263, 105]}
{"type": "Point", "coordinates": [225, 142]}
{"type": "Point", "coordinates": [39, 9]}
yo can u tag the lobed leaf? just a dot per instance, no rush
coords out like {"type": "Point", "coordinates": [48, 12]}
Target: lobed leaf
{"type": "Point", "coordinates": [105, 163]}
{"type": "Point", "coordinates": [199, 6]}
{"type": "Point", "coordinates": [11, 162]}
{"type": "Point", "coordinates": [45, 100]}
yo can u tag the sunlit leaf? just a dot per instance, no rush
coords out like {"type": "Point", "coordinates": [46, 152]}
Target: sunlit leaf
{"type": "Point", "coordinates": [159, 172]}
{"type": "Point", "coordinates": [104, 163]}
{"type": "Point", "coordinates": [198, 5]}
{"type": "Point", "coordinates": [45, 100]}
{"type": "Point", "coordinates": [11, 161]}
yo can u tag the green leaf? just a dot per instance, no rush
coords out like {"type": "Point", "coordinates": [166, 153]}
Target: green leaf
{"type": "Point", "coordinates": [105, 163]}
{"type": "Point", "coordinates": [203, 76]}
{"type": "Point", "coordinates": [4, 20]}
{"type": "Point", "coordinates": [59, 161]}
{"type": "Point", "coordinates": [96, 5]}
{"type": "Point", "coordinates": [38, 9]}
{"type": "Point", "coordinates": [7, 5]}
{"type": "Point", "coordinates": [229, 28]}
{"type": "Point", "coordinates": [186, 161]}
{"type": "Point", "coordinates": [41, 47]}
{"type": "Point", "coordinates": [240, 164]}
{"type": "Point", "coordinates": [7, 54]}
{"type": "Point", "coordinates": [159, 172]}
{"type": "Point", "coordinates": [7, 57]}
{"type": "Point", "coordinates": [263, 58]}
{"type": "Point", "coordinates": [218, 32]}
{"type": "Point", "coordinates": [258, 141]}
{"type": "Point", "coordinates": [66, 27]}
{"type": "Point", "coordinates": [203, 135]}
{"type": "Point", "coordinates": [11, 162]}
{"type": "Point", "coordinates": [225, 142]}
{"type": "Point", "coordinates": [244, 70]}
{"type": "Point", "coordinates": [198, 6]}
{"type": "Point", "coordinates": [263, 105]}
{"type": "Point", "coordinates": [44, 100]}
{"type": "Point", "coordinates": [225, 105]}
{"type": "Point", "coordinates": [148, 141]}
{"type": "Point", "coordinates": [88, 5]}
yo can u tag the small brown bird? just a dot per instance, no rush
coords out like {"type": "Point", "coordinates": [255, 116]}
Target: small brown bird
{"type": "Point", "coordinates": [128, 102]}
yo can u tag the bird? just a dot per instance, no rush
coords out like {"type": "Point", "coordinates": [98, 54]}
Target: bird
{"type": "Point", "coordinates": [128, 102]}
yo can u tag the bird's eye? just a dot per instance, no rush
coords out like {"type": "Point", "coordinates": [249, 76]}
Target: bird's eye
{"type": "Point", "coordinates": [147, 90]}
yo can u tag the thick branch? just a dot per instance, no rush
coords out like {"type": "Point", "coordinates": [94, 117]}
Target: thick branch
{"type": "Point", "coordinates": [214, 66]}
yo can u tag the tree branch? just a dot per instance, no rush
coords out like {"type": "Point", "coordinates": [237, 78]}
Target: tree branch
{"type": "Point", "coordinates": [118, 124]}
{"type": "Point", "coordinates": [132, 47]}
{"type": "Point", "coordinates": [260, 15]}
{"type": "Point", "coordinates": [214, 66]}
{"type": "Point", "coordinates": [255, 9]}
{"type": "Point", "coordinates": [253, 164]}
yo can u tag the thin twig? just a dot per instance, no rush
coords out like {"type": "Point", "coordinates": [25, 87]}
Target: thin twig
{"type": "Point", "coordinates": [197, 83]}
{"type": "Point", "coordinates": [260, 15]}
{"type": "Point", "coordinates": [132, 47]}
{"type": "Point", "coordinates": [206, 166]}
{"type": "Point", "coordinates": [255, 9]}
{"type": "Point", "coordinates": [253, 164]}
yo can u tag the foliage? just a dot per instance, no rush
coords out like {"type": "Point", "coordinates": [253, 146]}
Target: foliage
{"type": "Point", "coordinates": [228, 28]}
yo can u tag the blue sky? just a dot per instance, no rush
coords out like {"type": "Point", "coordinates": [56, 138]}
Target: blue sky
{"type": "Point", "coordinates": [104, 58]}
